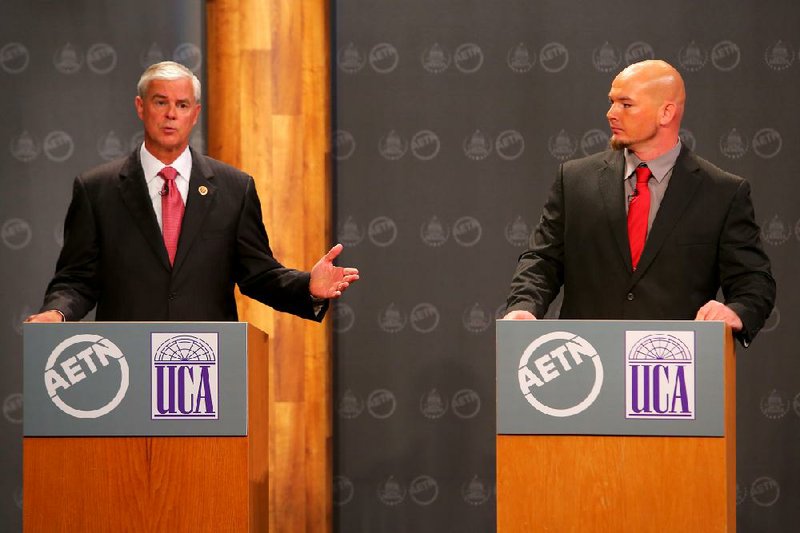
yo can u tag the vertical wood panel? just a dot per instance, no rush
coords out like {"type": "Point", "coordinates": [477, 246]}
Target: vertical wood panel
{"type": "Point", "coordinates": [268, 113]}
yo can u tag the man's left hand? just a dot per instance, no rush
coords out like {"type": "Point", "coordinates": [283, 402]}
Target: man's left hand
{"type": "Point", "coordinates": [329, 281]}
{"type": "Point", "coordinates": [715, 310]}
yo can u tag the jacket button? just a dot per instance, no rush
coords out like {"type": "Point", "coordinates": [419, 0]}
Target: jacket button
{"type": "Point", "coordinates": [630, 296]}
{"type": "Point", "coordinates": [173, 295]}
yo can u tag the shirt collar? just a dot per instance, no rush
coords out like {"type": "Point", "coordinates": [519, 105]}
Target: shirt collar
{"type": "Point", "coordinates": [152, 166]}
{"type": "Point", "coordinates": [660, 166]}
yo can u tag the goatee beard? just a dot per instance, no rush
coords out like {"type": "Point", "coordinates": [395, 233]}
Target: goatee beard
{"type": "Point", "coordinates": [616, 144]}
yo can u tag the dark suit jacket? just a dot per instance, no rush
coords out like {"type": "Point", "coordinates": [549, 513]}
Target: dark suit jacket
{"type": "Point", "coordinates": [114, 254]}
{"type": "Point", "coordinates": [704, 237]}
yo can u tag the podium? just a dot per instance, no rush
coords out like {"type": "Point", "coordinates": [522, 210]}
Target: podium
{"type": "Point", "coordinates": [145, 427]}
{"type": "Point", "coordinates": [615, 426]}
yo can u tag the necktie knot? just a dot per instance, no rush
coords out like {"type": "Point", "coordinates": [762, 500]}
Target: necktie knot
{"type": "Point", "coordinates": [642, 174]}
{"type": "Point", "coordinates": [168, 173]}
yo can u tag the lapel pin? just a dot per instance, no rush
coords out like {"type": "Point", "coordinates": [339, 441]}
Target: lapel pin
{"type": "Point", "coordinates": [203, 190]}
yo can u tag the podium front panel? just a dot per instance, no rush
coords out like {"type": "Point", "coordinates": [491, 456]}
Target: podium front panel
{"type": "Point", "coordinates": [580, 377]}
{"type": "Point", "coordinates": [135, 379]}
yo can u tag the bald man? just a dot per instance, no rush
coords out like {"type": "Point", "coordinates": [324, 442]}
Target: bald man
{"type": "Point", "coordinates": [646, 230]}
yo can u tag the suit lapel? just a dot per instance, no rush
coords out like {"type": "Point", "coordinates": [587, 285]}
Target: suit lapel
{"type": "Point", "coordinates": [201, 195]}
{"type": "Point", "coordinates": [133, 190]}
{"type": "Point", "coordinates": [612, 190]}
{"type": "Point", "coordinates": [681, 189]}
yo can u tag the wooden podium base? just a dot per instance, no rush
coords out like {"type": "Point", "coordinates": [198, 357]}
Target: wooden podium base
{"type": "Point", "coordinates": [594, 484]}
{"type": "Point", "coordinates": [138, 484]}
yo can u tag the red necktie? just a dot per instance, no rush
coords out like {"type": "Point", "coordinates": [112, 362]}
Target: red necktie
{"type": "Point", "coordinates": [638, 213]}
{"type": "Point", "coordinates": [171, 212]}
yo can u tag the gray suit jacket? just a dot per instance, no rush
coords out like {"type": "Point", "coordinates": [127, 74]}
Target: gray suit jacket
{"type": "Point", "coordinates": [704, 238]}
{"type": "Point", "coordinates": [114, 255]}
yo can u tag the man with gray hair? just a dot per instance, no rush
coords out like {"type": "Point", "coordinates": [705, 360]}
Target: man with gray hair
{"type": "Point", "coordinates": [166, 233]}
{"type": "Point", "coordinates": [647, 230]}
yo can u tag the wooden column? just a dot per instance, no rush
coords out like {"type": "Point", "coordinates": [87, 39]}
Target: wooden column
{"type": "Point", "coordinates": [268, 107]}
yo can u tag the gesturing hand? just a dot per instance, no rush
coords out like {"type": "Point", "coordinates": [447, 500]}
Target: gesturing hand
{"type": "Point", "coordinates": [329, 281]}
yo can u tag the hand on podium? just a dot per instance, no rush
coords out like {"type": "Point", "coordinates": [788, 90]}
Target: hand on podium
{"type": "Point", "coordinates": [715, 310]}
{"type": "Point", "coordinates": [519, 315]}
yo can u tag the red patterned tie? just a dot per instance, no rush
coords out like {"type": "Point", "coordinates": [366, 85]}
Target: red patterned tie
{"type": "Point", "coordinates": [171, 212]}
{"type": "Point", "coordinates": [638, 212]}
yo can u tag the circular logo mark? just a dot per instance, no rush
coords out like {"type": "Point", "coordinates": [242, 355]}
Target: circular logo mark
{"type": "Point", "coordinates": [343, 145]}
{"type": "Point", "coordinates": [509, 145]}
{"type": "Point", "coordinates": [136, 140]}
{"type": "Point", "coordinates": [392, 147]}
{"type": "Point", "coordinates": [767, 143]}
{"type": "Point", "coordinates": [24, 148]}
{"type": "Point", "coordinates": [16, 233]}
{"type": "Point", "coordinates": [606, 58]}
{"type": "Point", "coordinates": [423, 490]}
{"type": "Point", "coordinates": [14, 58]}
{"type": "Point", "coordinates": [188, 55]}
{"type": "Point", "coordinates": [477, 146]}
{"type": "Point", "coordinates": [433, 232]}
{"type": "Point", "coordinates": [81, 362]}
{"type": "Point", "coordinates": [435, 59]}
{"type": "Point", "coordinates": [12, 408]}
{"type": "Point", "coordinates": [779, 56]}
{"type": "Point", "coordinates": [391, 319]}
{"type": "Point", "coordinates": [475, 319]}
{"type": "Point", "coordinates": [383, 58]}
{"type": "Point", "coordinates": [151, 55]}
{"type": "Point", "coordinates": [594, 141]}
{"type": "Point", "coordinates": [692, 58]}
{"type": "Point", "coordinates": [562, 146]}
{"type": "Point", "coordinates": [469, 58]}
{"type": "Point", "coordinates": [58, 146]}
{"type": "Point", "coordinates": [467, 231]}
{"type": "Point", "coordinates": [391, 493]}
{"type": "Point", "coordinates": [687, 138]}
{"type": "Point", "coordinates": [475, 492]}
{"type": "Point", "coordinates": [343, 491]}
{"type": "Point", "coordinates": [774, 406]}
{"type": "Point", "coordinates": [67, 59]}
{"type": "Point", "coordinates": [776, 232]}
{"type": "Point", "coordinates": [519, 59]}
{"type": "Point", "coordinates": [554, 57]}
{"type": "Point", "coordinates": [424, 318]}
{"type": "Point", "coordinates": [343, 317]}
{"type": "Point", "coordinates": [349, 233]}
{"type": "Point", "coordinates": [772, 322]}
{"type": "Point", "coordinates": [350, 59]}
{"type": "Point", "coordinates": [466, 403]}
{"type": "Point", "coordinates": [638, 51]}
{"type": "Point", "coordinates": [432, 405]}
{"type": "Point", "coordinates": [741, 494]}
{"type": "Point", "coordinates": [110, 147]}
{"type": "Point", "coordinates": [765, 491]}
{"type": "Point", "coordinates": [518, 232]}
{"type": "Point", "coordinates": [554, 356]}
{"type": "Point", "coordinates": [350, 406]}
{"type": "Point", "coordinates": [101, 58]}
{"type": "Point", "coordinates": [381, 403]}
{"type": "Point", "coordinates": [382, 231]}
{"type": "Point", "coordinates": [733, 145]}
{"type": "Point", "coordinates": [425, 145]}
{"type": "Point", "coordinates": [725, 55]}
{"type": "Point", "coordinates": [18, 497]}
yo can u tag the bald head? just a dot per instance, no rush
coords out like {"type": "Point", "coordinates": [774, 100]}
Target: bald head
{"type": "Point", "coordinates": [647, 103]}
{"type": "Point", "coordinates": [659, 80]}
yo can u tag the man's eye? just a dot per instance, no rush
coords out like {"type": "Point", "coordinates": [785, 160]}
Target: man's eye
{"type": "Point", "coordinates": [627, 105]}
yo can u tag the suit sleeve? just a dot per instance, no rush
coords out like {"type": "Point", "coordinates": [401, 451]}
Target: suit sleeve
{"type": "Point", "coordinates": [540, 270]}
{"type": "Point", "coordinates": [744, 269]}
{"type": "Point", "coordinates": [73, 289]}
{"type": "Point", "coordinates": [262, 277]}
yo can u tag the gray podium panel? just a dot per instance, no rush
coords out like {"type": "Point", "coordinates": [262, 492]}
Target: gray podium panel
{"type": "Point", "coordinates": [610, 377]}
{"type": "Point", "coordinates": [135, 379]}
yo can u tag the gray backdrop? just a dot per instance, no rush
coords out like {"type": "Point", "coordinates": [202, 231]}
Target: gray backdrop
{"type": "Point", "coordinates": [68, 73]}
{"type": "Point", "coordinates": [451, 118]}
